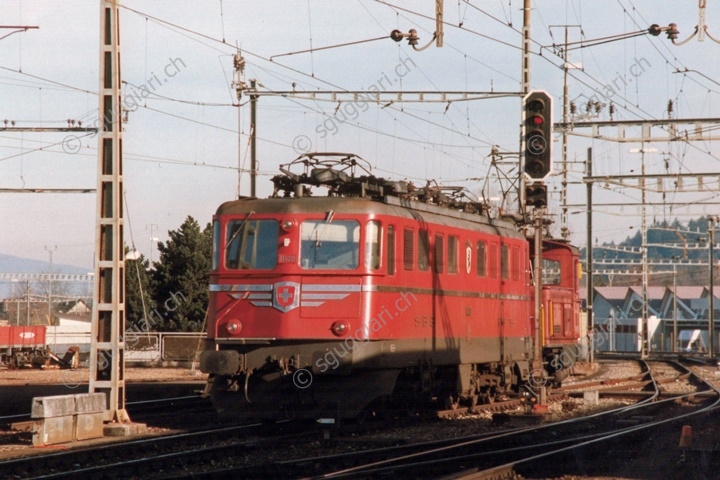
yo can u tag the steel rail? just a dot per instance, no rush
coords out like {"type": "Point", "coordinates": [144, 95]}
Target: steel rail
{"type": "Point", "coordinates": [385, 466]}
{"type": "Point", "coordinates": [502, 469]}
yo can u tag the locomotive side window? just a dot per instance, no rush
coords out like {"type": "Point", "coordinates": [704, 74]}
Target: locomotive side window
{"type": "Point", "coordinates": [216, 245]}
{"type": "Point", "coordinates": [408, 246]}
{"type": "Point", "coordinates": [505, 261]}
{"type": "Point", "coordinates": [439, 258]}
{"type": "Point", "coordinates": [515, 262]}
{"type": "Point", "coordinates": [423, 250]}
{"type": "Point", "coordinates": [452, 254]}
{"type": "Point", "coordinates": [493, 260]}
{"type": "Point", "coordinates": [373, 236]}
{"type": "Point", "coordinates": [251, 244]}
{"type": "Point", "coordinates": [481, 259]}
{"type": "Point", "coordinates": [391, 249]}
{"type": "Point", "coordinates": [329, 245]}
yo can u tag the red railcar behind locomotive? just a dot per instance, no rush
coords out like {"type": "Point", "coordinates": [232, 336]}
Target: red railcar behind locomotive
{"type": "Point", "coordinates": [22, 345]}
{"type": "Point", "coordinates": [321, 306]}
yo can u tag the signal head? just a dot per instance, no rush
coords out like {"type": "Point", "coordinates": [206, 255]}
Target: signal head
{"type": "Point", "coordinates": [537, 135]}
{"type": "Point", "coordinates": [536, 195]}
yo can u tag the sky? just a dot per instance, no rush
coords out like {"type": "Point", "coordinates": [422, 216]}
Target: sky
{"type": "Point", "coordinates": [183, 153]}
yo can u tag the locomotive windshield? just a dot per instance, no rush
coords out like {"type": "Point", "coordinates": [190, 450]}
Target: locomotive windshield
{"type": "Point", "coordinates": [551, 272]}
{"type": "Point", "coordinates": [329, 244]}
{"type": "Point", "coordinates": [251, 244]}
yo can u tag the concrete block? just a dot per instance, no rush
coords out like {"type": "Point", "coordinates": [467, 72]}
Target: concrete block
{"type": "Point", "coordinates": [124, 429]}
{"type": "Point", "coordinates": [48, 431]}
{"type": "Point", "coordinates": [55, 406]}
{"type": "Point", "coordinates": [88, 425]}
{"type": "Point", "coordinates": [591, 397]}
{"type": "Point", "coordinates": [89, 403]}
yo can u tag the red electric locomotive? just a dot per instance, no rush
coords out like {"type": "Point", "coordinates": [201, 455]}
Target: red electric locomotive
{"type": "Point", "coordinates": [321, 306]}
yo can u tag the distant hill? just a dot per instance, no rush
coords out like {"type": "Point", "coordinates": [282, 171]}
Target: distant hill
{"type": "Point", "coordinates": [683, 245]}
{"type": "Point", "coordinates": [13, 264]}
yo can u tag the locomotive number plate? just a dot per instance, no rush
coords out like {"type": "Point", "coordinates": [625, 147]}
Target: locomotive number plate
{"type": "Point", "coordinates": [424, 321]}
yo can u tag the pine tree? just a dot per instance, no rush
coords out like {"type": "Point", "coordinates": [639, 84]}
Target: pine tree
{"type": "Point", "coordinates": [180, 278]}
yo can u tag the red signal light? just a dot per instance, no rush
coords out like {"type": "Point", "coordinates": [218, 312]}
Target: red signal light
{"type": "Point", "coordinates": [536, 120]}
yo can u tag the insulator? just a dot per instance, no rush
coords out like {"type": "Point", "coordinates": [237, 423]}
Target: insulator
{"type": "Point", "coordinates": [671, 106]}
{"type": "Point", "coordinates": [573, 108]}
{"type": "Point", "coordinates": [239, 63]}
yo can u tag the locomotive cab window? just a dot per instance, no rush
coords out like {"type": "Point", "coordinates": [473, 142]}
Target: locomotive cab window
{"type": "Point", "coordinates": [216, 245]}
{"type": "Point", "coordinates": [251, 244]}
{"type": "Point", "coordinates": [329, 245]}
{"type": "Point", "coordinates": [550, 272]}
{"type": "Point", "coordinates": [373, 235]}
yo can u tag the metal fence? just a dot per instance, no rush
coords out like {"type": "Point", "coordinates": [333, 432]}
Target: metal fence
{"type": "Point", "coordinates": [145, 348]}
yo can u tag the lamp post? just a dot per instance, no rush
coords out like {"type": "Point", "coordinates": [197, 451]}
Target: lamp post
{"type": "Point", "coordinates": [711, 300]}
{"type": "Point", "coordinates": [645, 339]}
{"type": "Point", "coordinates": [17, 304]}
{"type": "Point", "coordinates": [675, 331]}
{"type": "Point", "coordinates": [50, 283]}
{"type": "Point", "coordinates": [153, 242]}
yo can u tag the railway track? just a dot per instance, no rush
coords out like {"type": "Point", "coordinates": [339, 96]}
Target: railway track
{"type": "Point", "coordinates": [156, 455]}
{"type": "Point", "coordinates": [500, 455]}
{"type": "Point", "coordinates": [266, 451]}
{"type": "Point", "coordinates": [643, 424]}
{"type": "Point", "coordinates": [167, 411]}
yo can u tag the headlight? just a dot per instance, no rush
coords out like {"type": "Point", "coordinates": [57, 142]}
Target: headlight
{"type": "Point", "coordinates": [339, 328]}
{"type": "Point", "coordinates": [233, 327]}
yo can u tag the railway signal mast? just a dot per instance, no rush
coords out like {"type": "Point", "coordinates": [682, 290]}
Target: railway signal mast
{"type": "Point", "coordinates": [537, 156]}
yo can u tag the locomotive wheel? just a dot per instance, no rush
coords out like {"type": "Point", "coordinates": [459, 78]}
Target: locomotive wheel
{"type": "Point", "coordinates": [473, 403]}
{"type": "Point", "coordinates": [451, 403]}
{"type": "Point", "coordinates": [221, 396]}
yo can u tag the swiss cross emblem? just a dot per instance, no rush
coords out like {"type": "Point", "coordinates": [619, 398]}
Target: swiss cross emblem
{"type": "Point", "coordinates": [286, 296]}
